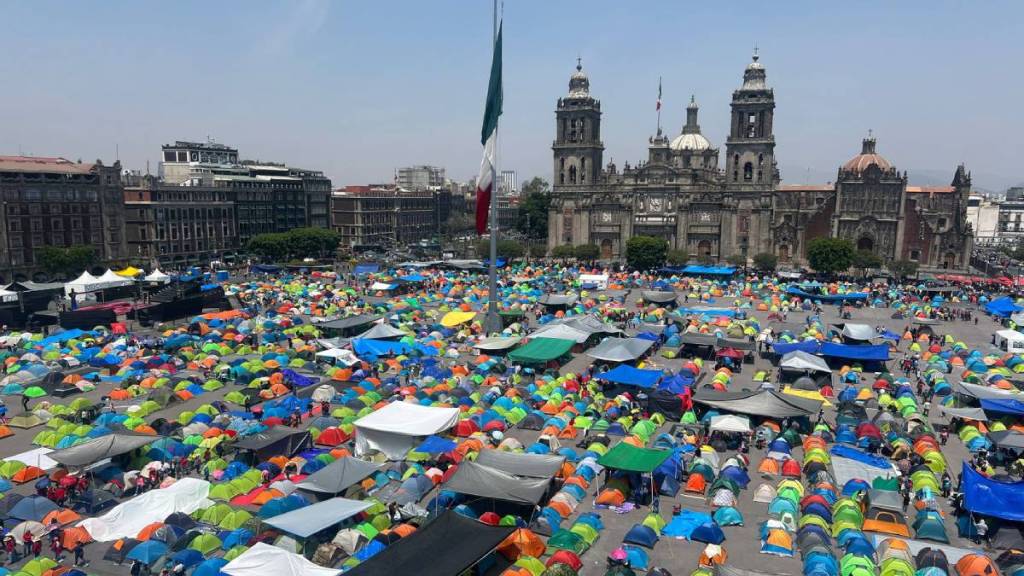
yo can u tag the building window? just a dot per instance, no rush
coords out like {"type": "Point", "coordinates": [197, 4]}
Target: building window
{"type": "Point", "coordinates": [915, 255]}
{"type": "Point", "coordinates": [942, 222]}
{"type": "Point", "coordinates": [748, 171]}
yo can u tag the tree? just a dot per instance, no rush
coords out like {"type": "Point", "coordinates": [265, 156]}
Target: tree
{"type": "Point", "coordinates": [902, 268]}
{"type": "Point", "coordinates": [70, 260]}
{"type": "Point", "coordinates": [270, 246]}
{"type": "Point", "coordinates": [737, 260]}
{"type": "Point", "coordinates": [535, 185]}
{"type": "Point", "coordinates": [646, 252]}
{"type": "Point", "coordinates": [563, 251]}
{"type": "Point", "coordinates": [532, 218]}
{"type": "Point", "coordinates": [865, 260]}
{"type": "Point", "coordinates": [765, 261]}
{"type": "Point", "coordinates": [587, 252]}
{"type": "Point", "coordinates": [507, 249]}
{"type": "Point", "coordinates": [830, 255]}
{"type": "Point", "coordinates": [677, 257]}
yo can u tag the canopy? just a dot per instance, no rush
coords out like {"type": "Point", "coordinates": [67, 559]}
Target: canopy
{"type": "Point", "coordinates": [485, 482]}
{"type": "Point", "coordinates": [620, 349]}
{"type": "Point", "coordinates": [367, 347]}
{"type": "Point", "coordinates": [276, 440]}
{"type": "Point", "coordinates": [540, 350]}
{"type": "Point", "coordinates": [84, 283]}
{"type": "Point", "coordinates": [522, 464]}
{"type": "Point", "coordinates": [309, 520]}
{"type": "Point", "coordinates": [1003, 405]}
{"type": "Point", "coordinates": [1002, 307]}
{"type": "Point", "coordinates": [759, 403]}
{"type": "Point", "coordinates": [968, 413]}
{"type": "Point", "coordinates": [986, 496]}
{"type": "Point", "coordinates": [157, 276]}
{"type": "Point", "coordinates": [800, 360]}
{"type": "Point", "coordinates": [631, 458]}
{"type": "Point", "coordinates": [498, 343]}
{"type": "Point", "coordinates": [126, 519]}
{"type": "Point", "coordinates": [110, 279]}
{"type": "Point", "coordinates": [878, 352]}
{"type": "Point", "coordinates": [558, 299]}
{"type": "Point", "coordinates": [561, 332]}
{"type": "Point", "coordinates": [452, 542]}
{"type": "Point", "coordinates": [394, 428]}
{"type": "Point", "coordinates": [730, 423]}
{"type": "Point", "coordinates": [658, 297]}
{"type": "Point", "coordinates": [337, 476]}
{"type": "Point", "coordinates": [630, 376]}
{"type": "Point", "coordinates": [350, 322]}
{"type": "Point", "coordinates": [382, 332]}
{"type": "Point", "coordinates": [456, 317]}
{"type": "Point", "coordinates": [850, 297]}
{"type": "Point", "coordinates": [97, 449]}
{"type": "Point", "coordinates": [858, 331]}
{"type": "Point", "coordinates": [698, 339]}
{"type": "Point", "coordinates": [262, 559]}
{"type": "Point", "coordinates": [982, 392]}
{"type": "Point", "coordinates": [849, 463]}
{"type": "Point", "coordinates": [1007, 439]}
{"type": "Point", "coordinates": [129, 272]}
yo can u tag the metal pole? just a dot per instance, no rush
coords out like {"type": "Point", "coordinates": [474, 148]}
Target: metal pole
{"type": "Point", "coordinates": [492, 323]}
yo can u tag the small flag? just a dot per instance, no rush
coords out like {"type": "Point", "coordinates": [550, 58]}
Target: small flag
{"type": "Point", "coordinates": [488, 135]}
{"type": "Point", "coordinates": [657, 107]}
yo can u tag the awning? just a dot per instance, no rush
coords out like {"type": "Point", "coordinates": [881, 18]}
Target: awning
{"type": "Point", "coordinates": [498, 343]}
{"type": "Point", "coordinates": [630, 376]}
{"type": "Point", "coordinates": [450, 544]}
{"type": "Point", "coordinates": [106, 446]}
{"type": "Point", "coordinates": [309, 520]}
{"type": "Point", "coordinates": [799, 360]}
{"type": "Point", "coordinates": [620, 349]}
{"type": "Point", "coordinates": [658, 297]}
{"type": "Point", "coordinates": [337, 476]}
{"type": "Point", "coordinates": [986, 496]}
{"type": "Point", "coordinates": [631, 458]}
{"type": "Point", "coordinates": [1007, 439]}
{"type": "Point", "coordinates": [760, 403]}
{"type": "Point", "coordinates": [521, 464]}
{"type": "Point", "coordinates": [475, 479]}
{"type": "Point", "coordinates": [540, 350]}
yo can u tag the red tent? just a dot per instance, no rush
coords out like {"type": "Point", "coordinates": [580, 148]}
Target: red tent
{"type": "Point", "coordinates": [791, 468]}
{"type": "Point", "coordinates": [729, 353]}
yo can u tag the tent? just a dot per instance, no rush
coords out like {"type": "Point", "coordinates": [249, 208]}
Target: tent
{"type": "Point", "coordinates": [561, 332]}
{"type": "Point", "coordinates": [631, 458]}
{"type": "Point", "coordinates": [760, 403]}
{"type": "Point", "coordinates": [861, 332]}
{"type": "Point", "coordinates": [395, 428]}
{"type": "Point", "coordinates": [158, 277]}
{"type": "Point", "coordinates": [381, 332]}
{"type": "Point", "coordinates": [541, 350]}
{"type": "Point", "coordinates": [337, 476]}
{"type": "Point", "coordinates": [630, 376]}
{"type": "Point", "coordinates": [486, 482]}
{"type": "Point", "coordinates": [309, 520]}
{"type": "Point", "coordinates": [730, 423]}
{"type": "Point", "coordinates": [83, 284]}
{"type": "Point", "coordinates": [97, 449]}
{"type": "Point", "coordinates": [522, 464]}
{"type": "Point", "coordinates": [498, 343]}
{"type": "Point", "coordinates": [614, 349]}
{"type": "Point", "coordinates": [262, 559]}
{"type": "Point", "coordinates": [798, 360]}
{"type": "Point", "coordinates": [275, 441]}
{"type": "Point", "coordinates": [463, 541]}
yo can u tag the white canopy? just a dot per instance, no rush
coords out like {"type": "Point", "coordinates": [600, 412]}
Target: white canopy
{"type": "Point", "coordinates": [84, 283]}
{"type": "Point", "coordinates": [382, 331]}
{"type": "Point", "coordinates": [563, 332]}
{"type": "Point", "coordinates": [126, 519]}
{"type": "Point", "coordinates": [381, 286]}
{"type": "Point", "coordinates": [262, 559]}
{"type": "Point", "coordinates": [730, 423]}
{"type": "Point", "coordinates": [859, 331]}
{"type": "Point", "coordinates": [394, 429]}
{"type": "Point", "coordinates": [800, 360]}
{"type": "Point", "coordinates": [498, 343]}
{"type": "Point", "coordinates": [601, 280]}
{"type": "Point", "coordinates": [111, 279]}
{"type": "Point", "coordinates": [157, 276]}
{"type": "Point", "coordinates": [346, 357]}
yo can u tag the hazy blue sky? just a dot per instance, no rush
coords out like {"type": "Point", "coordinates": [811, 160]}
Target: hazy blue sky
{"type": "Point", "coordinates": [359, 88]}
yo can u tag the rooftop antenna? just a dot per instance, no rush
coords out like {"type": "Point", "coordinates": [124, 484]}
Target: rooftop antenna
{"type": "Point", "coordinates": [117, 152]}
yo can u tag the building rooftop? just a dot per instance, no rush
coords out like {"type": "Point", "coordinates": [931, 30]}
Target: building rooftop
{"type": "Point", "coordinates": [43, 164]}
{"type": "Point", "coordinates": [930, 189]}
{"type": "Point", "coordinates": [806, 188]}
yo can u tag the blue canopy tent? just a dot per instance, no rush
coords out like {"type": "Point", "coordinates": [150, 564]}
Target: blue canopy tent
{"type": "Point", "coordinates": [1002, 307]}
{"type": "Point", "coordinates": [829, 298]}
{"type": "Point", "coordinates": [375, 348]}
{"type": "Point", "coordinates": [696, 270]}
{"type": "Point", "coordinates": [986, 496]}
{"type": "Point", "coordinates": [1003, 405]}
{"type": "Point", "coordinates": [630, 376]}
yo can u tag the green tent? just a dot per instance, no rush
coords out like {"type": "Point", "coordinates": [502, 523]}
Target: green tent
{"type": "Point", "coordinates": [632, 459]}
{"type": "Point", "coordinates": [540, 350]}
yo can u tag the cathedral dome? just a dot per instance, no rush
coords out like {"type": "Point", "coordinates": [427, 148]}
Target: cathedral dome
{"type": "Point", "coordinates": [579, 84]}
{"type": "Point", "coordinates": [867, 157]}
{"type": "Point", "coordinates": [754, 75]}
{"type": "Point", "coordinates": [695, 142]}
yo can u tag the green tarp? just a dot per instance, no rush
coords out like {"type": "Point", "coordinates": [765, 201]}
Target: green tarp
{"type": "Point", "coordinates": [632, 459]}
{"type": "Point", "coordinates": [541, 350]}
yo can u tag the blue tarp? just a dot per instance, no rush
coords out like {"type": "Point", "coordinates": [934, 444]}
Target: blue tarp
{"type": "Point", "coordinates": [630, 376]}
{"type": "Point", "coordinates": [435, 445]}
{"type": "Point", "coordinates": [862, 457]}
{"type": "Point", "coordinates": [709, 270]}
{"type": "Point", "coordinates": [985, 496]}
{"type": "Point", "coordinates": [808, 346]}
{"type": "Point", "coordinates": [365, 347]}
{"type": "Point", "coordinates": [413, 278]}
{"type": "Point", "coordinates": [706, 312]}
{"type": "Point", "coordinates": [878, 352]}
{"type": "Point", "coordinates": [683, 524]}
{"type": "Point", "coordinates": [366, 268]}
{"type": "Point", "coordinates": [851, 297]}
{"type": "Point", "coordinates": [1003, 405]}
{"type": "Point", "coordinates": [1002, 307]}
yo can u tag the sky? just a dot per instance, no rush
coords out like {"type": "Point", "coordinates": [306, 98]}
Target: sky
{"type": "Point", "coordinates": [357, 89]}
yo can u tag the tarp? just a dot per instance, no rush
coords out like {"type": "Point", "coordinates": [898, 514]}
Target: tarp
{"type": "Point", "coordinates": [561, 332]}
{"type": "Point", "coordinates": [879, 352]}
{"type": "Point", "coordinates": [393, 430]}
{"type": "Point", "coordinates": [730, 423]}
{"type": "Point", "coordinates": [366, 269]}
{"type": "Point", "coordinates": [1002, 307]}
{"type": "Point", "coordinates": [262, 559]}
{"type": "Point", "coordinates": [982, 392]}
{"type": "Point", "coordinates": [276, 440]}
{"type": "Point", "coordinates": [851, 297]}
{"type": "Point", "coordinates": [539, 350]}
{"type": "Point", "coordinates": [631, 458]}
{"type": "Point", "coordinates": [126, 519]}
{"type": "Point", "coordinates": [849, 463]}
{"type": "Point", "coordinates": [709, 270]}
{"type": "Point", "coordinates": [800, 360]}
{"type": "Point", "coordinates": [498, 343]}
{"type": "Point", "coordinates": [339, 355]}
{"type": "Point", "coordinates": [1003, 405]}
{"type": "Point", "coordinates": [986, 496]}
{"type": "Point", "coordinates": [658, 297]}
{"type": "Point", "coordinates": [381, 332]}
{"type": "Point", "coordinates": [522, 464]}
{"type": "Point", "coordinates": [698, 339]}
{"type": "Point", "coordinates": [968, 413]}
{"type": "Point", "coordinates": [364, 347]}
{"type": "Point", "coordinates": [309, 520]}
{"type": "Point", "coordinates": [858, 331]}
{"type": "Point", "coordinates": [38, 457]}
{"type": "Point", "coordinates": [630, 376]}
{"type": "Point", "coordinates": [456, 317]}
{"type": "Point", "coordinates": [722, 570]}
{"type": "Point", "coordinates": [1007, 439]}
{"type": "Point", "coordinates": [97, 449]}
{"type": "Point", "coordinates": [759, 403]}
{"type": "Point", "coordinates": [350, 322]}
{"type": "Point", "coordinates": [337, 476]}
{"type": "Point", "coordinates": [485, 482]}
{"type": "Point", "coordinates": [450, 544]}
{"type": "Point", "coordinates": [558, 299]}
{"type": "Point", "coordinates": [620, 349]}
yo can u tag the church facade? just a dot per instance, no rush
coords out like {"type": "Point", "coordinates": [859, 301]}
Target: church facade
{"type": "Point", "coordinates": [681, 192]}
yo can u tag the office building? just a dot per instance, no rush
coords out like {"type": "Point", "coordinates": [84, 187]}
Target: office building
{"type": "Point", "coordinates": [381, 217]}
{"type": "Point", "coordinates": [418, 178]}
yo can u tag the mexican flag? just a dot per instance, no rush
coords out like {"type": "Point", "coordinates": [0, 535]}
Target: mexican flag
{"type": "Point", "coordinates": [488, 137]}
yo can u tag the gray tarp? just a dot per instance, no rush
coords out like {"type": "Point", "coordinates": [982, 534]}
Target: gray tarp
{"type": "Point", "coordinates": [276, 439]}
{"type": "Point", "coordinates": [311, 519]}
{"type": "Point", "coordinates": [983, 392]}
{"type": "Point", "coordinates": [652, 328]}
{"type": "Point", "coordinates": [620, 349]}
{"type": "Point", "coordinates": [590, 324]}
{"type": "Point", "coordinates": [521, 464]}
{"type": "Point", "coordinates": [736, 343]}
{"type": "Point", "coordinates": [558, 299]}
{"type": "Point", "coordinates": [698, 339]}
{"type": "Point", "coordinates": [886, 500]}
{"type": "Point", "coordinates": [800, 360]}
{"type": "Point", "coordinates": [499, 343]}
{"type": "Point", "coordinates": [658, 297]}
{"type": "Point", "coordinates": [858, 331]}
{"type": "Point", "coordinates": [337, 476]}
{"type": "Point", "coordinates": [100, 448]}
{"type": "Point", "coordinates": [969, 413]}
{"type": "Point", "coordinates": [382, 332]}
{"type": "Point", "coordinates": [349, 322]}
{"type": "Point", "coordinates": [1007, 439]}
{"type": "Point", "coordinates": [721, 570]}
{"type": "Point", "coordinates": [478, 480]}
{"type": "Point", "coordinates": [760, 403]}
{"type": "Point", "coordinates": [562, 332]}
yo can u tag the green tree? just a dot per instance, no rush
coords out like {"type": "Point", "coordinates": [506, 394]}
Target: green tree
{"type": "Point", "coordinates": [52, 259]}
{"type": "Point", "coordinates": [269, 246]}
{"type": "Point", "coordinates": [677, 257]}
{"type": "Point", "coordinates": [563, 251]}
{"type": "Point", "coordinates": [765, 261]}
{"type": "Point", "coordinates": [902, 268]}
{"type": "Point", "coordinates": [830, 255]}
{"type": "Point", "coordinates": [71, 260]}
{"type": "Point", "coordinates": [865, 260]}
{"type": "Point", "coordinates": [646, 252]}
{"type": "Point", "coordinates": [507, 249]}
{"type": "Point", "coordinates": [737, 260]}
{"type": "Point", "coordinates": [532, 218]}
{"type": "Point", "coordinates": [587, 252]}
{"type": "Point", "coordinates": [535, 185]}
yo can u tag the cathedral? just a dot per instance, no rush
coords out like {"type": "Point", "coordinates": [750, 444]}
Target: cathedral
{"type": "Point", "coordinates": [680, 193]}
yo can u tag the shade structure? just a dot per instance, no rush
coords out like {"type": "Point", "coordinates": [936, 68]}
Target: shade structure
{"type": "Point", "coordinates": [498, 343]}
{"type": "Point", "coordinates": [631, 458]}
{"type": "Point", "coordinates": [126, 519]}
{"type": "Point", "coordinates": [486, 482]}
{"type": "Point", "coordinates": [263, 559]}
{"type": "Point", "coordinates": [760, 403]}
{"type": "Point", "coordinates": [522, 464]}
{"type": "Point", "coordinates": [540, 350]}
{"type": "Point", "coordinates": [620, 349]}
{"type": "Point", "coordinates": [799, 360]}
{"type": "Point", "coordinates": [861, 332]}
{"type": "Point", "coordinates": [395, 429]}
{"type": "Point", "coordinates": [452, 542]}
{"type": "Point", "coordinates": [337, 476]}
{"type": "Point", "coordinates": [558, 299]}
{"type": "Point", "coordinates": [630, 376]}
{"type": "Point", "coordinates": [730, 423]}
{"type": "Point", "coordinates": [275, 441]}
{"type": "Point", "coordinates": [986, 496]}
{"type": "Point", "coordinates": [382, 332]}
{"type": "Point", "coordinates": [658, 297]}
{"type": "Point", "coordinates": [561, 332]}
{"type": "Point", "coordinates": [311, 519]}
{"type": "Point", "coordinates": [97, 449]}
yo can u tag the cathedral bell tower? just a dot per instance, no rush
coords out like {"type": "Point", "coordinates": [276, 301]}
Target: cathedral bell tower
{"type": "Point", "coordinates": [578, 150]}
{"type": "Point", "coordinates": [750, 148]}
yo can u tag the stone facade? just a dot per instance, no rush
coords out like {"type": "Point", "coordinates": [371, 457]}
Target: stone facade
{"type": "Point", "coordinates": [680, 194]}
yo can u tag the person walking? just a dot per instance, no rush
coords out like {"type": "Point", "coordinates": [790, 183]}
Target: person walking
{"type": "Point", "coordinates": [79, 552]}
{"type": "Point", "coordinates": [27, 543]}
{"type": "Point", "coordinates": [981, 527]}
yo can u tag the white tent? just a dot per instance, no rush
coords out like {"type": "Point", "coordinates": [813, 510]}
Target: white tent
{"type": "Point", "coordinates": [126, 519]}
{"type": "Point", "coordinates": [498, 343]}
{"type": "Point", "coordinates": [338, 355]}
{"type": "Point", "coordinates": [396, 428]}
{"type": "Point", "coordinates": [110, 279]}
{"type": "Point", "coordinates": [562, 332]}
{"type": "Point", "coordinates": [158, 277]}
{"type": "Point", "coordinates": [600, 280]}
{"type": "Point", "coordinates": [381, 286]}
{"type": "Point", "coordinates": [262, 559]}
{"type": "Point", "coordinates": [730, 423]}
{"type": "Point", "coordinates": [800, 360]}
{"type": "Point", "coordinates": [84, 283]}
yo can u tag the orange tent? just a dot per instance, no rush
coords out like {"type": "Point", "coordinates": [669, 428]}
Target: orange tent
{"type": "Point", "coordinates": [976, 565]}
{"type": "Point", "coordinates": [64, 516]}
{"type": "Point", "coordinates": [696, 484]}
{"type": "Point", "coordinates": [147, 530]}
{"type": "Point", "coordinates": [266, 496]}
{"type": "Point", "coordinates": [610, 497]}
{"type": "Point", "coordinates": [75, 536]}
{"type": "Point", "coordinates": [5, 431]}
{"type": "Point", "coordinates": [27, 474]}
{"type": "Point", "coordinates": [522, 541]}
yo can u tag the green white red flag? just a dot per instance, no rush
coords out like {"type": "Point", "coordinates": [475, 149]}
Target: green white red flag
{"type": "Point", "coordinates": [488, 137]}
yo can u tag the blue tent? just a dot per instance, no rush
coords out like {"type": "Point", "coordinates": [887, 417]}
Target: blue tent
{"type": "Point", "coordinates": [728, 516]}
{"type": "Point", "coordinates": [642, 536]}
{"type": "Point", "coordinates": [210, 567]}
{"type": "Point", "coordinates": [630, 376]}
{"type": "Point", "coordinates": [148, 552]}
{"type": "Point", "coordinates": [374, 348]}
{"type": "Point", "coordinates": [187, 557]}
{"type": "Point", "coordinates": [708, 532]}
{"type": "Point", "coordinates": [435, 445]}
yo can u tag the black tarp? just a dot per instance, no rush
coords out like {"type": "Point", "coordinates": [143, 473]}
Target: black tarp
{"type": "Point", "coordinates": [277, 440]}
{"type": "Point", "coordinates": [669, 404]}
{"type": "Point", "coordinates": [450, 544]}
{"type": "Point", "coordinates": [697, 339]}
{"type": "Point", "coordinates": [521, 464]}
{"type": "Point", "coordinates": [760, 403]}
{"type": "Point", "coordinates": [107, 446]}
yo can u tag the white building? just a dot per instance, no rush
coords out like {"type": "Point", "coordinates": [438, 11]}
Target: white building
{"type": "Point", "coordinates": [983, 216]}
{"type": "Point", "coordinates": [509, 186]}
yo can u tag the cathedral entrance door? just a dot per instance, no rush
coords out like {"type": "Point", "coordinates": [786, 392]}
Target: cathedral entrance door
{"type": "Point", "coordinates": [866, 243]}
{"type": "Point", "coordinates": [704, 248]}
{"type": "Point", "coordinates": [784, 253]}
{"type": "Point", "coordinates": [949, 261]}
{"type": "Point", "coordinates": [606, 249]}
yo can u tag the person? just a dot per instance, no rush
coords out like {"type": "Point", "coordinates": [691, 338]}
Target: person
{"type": "Point", "coordinates": [927, 407]}
{"type": "Point", "coordinates": [11, 547]}
{"type": "Point", "coordinates": [27, 543]}
{"type": "Point", "coordinates": [24, 402]}
{"type": "Point", "coordinates": [906, 500]}
{"type": "Point", "coordinates": [56, 546]}
{"type": "Point", "coordinates": [136, 569]}
{"type": "Point", "coordinates": [981, 527]}
{"type": "Point", "coordinates": [944, 436]}
{"type": "Point", "coordinates": [3, 411]}
{"type": "Point", "coordinates": [80, 555]}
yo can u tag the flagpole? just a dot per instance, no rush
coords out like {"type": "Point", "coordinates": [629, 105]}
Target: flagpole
{"type": "Point", "coordinates": [492, 322]}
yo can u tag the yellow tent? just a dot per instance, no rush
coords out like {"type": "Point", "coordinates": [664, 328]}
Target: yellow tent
{"type": "Point", "coordinates": [808, 394]}
{"type": "Point", "coordinates": [455, 318]}
{"type": "Point", "coordinates": [129, 272]}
